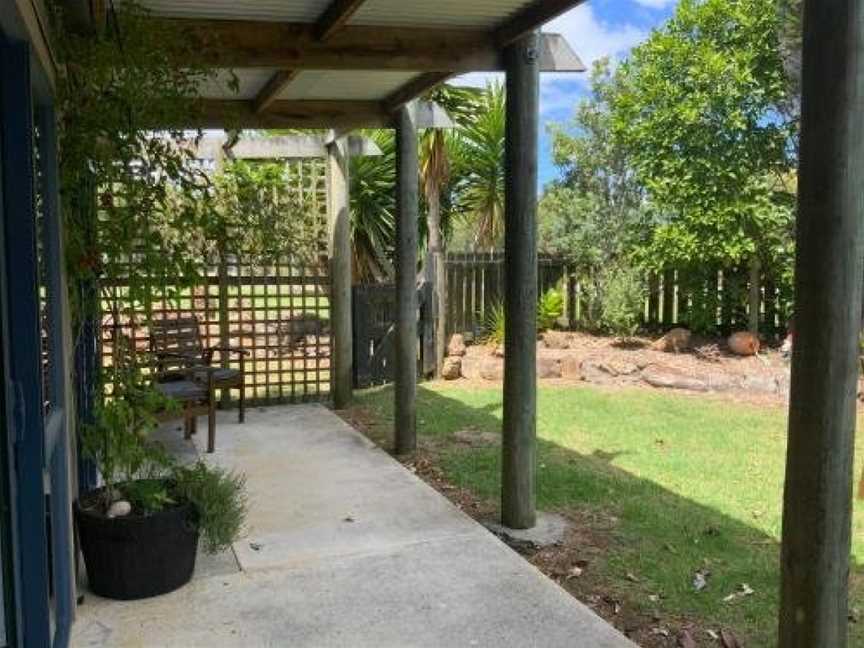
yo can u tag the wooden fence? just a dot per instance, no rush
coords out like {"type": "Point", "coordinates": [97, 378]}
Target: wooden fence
{"type": "Point", "coordinates": [711, 301]}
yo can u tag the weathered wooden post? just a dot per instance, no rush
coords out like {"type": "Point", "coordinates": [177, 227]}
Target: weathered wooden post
{"type": "Point", "coordinates": [407, 187]}
{"type": "Point", "coordinates": [818, 493]}
{"type": "Point", "coordinates": [339, 227]}
{"type": "Point", "coordinates": [518, 497]}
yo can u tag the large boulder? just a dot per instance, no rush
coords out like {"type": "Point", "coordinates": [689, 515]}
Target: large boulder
{"type": "Point", "coordinates": [492, 369]}
{"type": "Point", "coordinates": [658, 375]}
{"type": "Point", "coordinates": [456, 346]}
{"type": "Point", "coordinates": [571, 367]}
{"type": "Point", "coordinates": [676, 340]}
{"type": "Point", "coordinates": [743, 343]}
{"type": "Point", "coordinates": [470, 366]}
{"type": "Point", "coordinates": [760, 383]}
{"type": "Point", "coordinates": [597, 371]}
{"type": "Point", "coordinates": [452, 368]}
{"type": "Point", "coordinates": [548, 368]}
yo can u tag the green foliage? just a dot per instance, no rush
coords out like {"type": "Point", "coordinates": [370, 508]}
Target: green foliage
{"type": "Point", "coordinates": [119, 180]}
{"type": "Point", "coordinates": [257, 211]}
{"type": "Point", "coordinates": [700, 111]}
{"type": "Point", "coordinates": [550, 307]}
{"type": "Point", "coordinates": [494, 325]}
{"type": "Point", "coordinates": [219, 497]}
{"type": "Point", "coordinates": [478, 168]}
{"type": "Point", "coordinates": [623, 300]}
{"type": "Point", "coordinates": [373, 208]}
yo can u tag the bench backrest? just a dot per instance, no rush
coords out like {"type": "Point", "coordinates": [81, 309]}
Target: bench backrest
{"type": "Point", "coordinates": [177, 335]}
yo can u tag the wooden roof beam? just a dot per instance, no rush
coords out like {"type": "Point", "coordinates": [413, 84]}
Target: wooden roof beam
{"type": "Point", "coordinates": [532, 17]}
{"type": "Point", "coordinates": [312, 114]}
{"type": "Point", "coordinates": [556, 55]}
{"type": "Point", "coordinates": [273, 88]}
{"type": "Point", "coordinates": [295, 46]}
{"type": "Point", "coordinates": [335, 17]}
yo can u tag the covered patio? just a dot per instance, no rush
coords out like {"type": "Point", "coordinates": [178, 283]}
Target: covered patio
{"type": "Point", "coordinates": [345, 546]}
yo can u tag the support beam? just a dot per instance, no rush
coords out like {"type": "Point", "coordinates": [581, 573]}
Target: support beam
{"type": "Point", "coordinates": [317, 114]}
{"type": "Point", "coordinates": [272, 89]}
{"type": "Point", "coordinates": [296, 46]}
{"type": "Point", "coordinates": [518, 498]}
{"type": "Point", "coordinates": [335, 17]}
{"type": "Point", "coordinates": [339, 226]}
{"type": "Point", "coordinates": [407, 187]}
{"type": "Point", "coordinates": [818, 491]}
{"type": "Point", "coordinates": [532, 17]}
{"type": "Point", "coordinates": [556, 55]}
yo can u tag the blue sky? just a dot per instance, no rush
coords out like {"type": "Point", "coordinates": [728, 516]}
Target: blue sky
{"type": "Point", "coordinates": [594, 29]}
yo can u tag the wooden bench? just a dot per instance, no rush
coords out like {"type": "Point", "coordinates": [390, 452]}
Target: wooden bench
{"type": "Point", "coordinates": [176, 342]}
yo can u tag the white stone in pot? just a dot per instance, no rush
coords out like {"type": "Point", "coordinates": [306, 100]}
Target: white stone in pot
{"type": "Point", "coordinates": [120, 508]}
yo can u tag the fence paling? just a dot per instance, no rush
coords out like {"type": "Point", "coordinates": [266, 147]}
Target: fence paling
{"type": "Point", "coordinates": [714, 299]}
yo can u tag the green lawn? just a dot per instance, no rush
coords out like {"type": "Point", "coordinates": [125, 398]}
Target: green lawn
{"type": "Point", "coordinates": [689, 483]}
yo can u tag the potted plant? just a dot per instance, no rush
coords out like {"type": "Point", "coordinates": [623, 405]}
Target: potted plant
{"type": "Point", "coordinates": [139, 531]}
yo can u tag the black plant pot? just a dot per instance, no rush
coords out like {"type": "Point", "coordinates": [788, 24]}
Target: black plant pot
{"type": "Point", "coordinates": [137, 556]}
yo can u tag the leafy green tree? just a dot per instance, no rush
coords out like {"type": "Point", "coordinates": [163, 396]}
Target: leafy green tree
{"type": "Point", "coordinates": [701, 110]}
{"type": "Point", "coordinates": [595, 215]}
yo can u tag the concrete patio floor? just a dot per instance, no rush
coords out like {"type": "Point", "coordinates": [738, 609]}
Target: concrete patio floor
{"type": "Point", "coordinates": [344, 547]}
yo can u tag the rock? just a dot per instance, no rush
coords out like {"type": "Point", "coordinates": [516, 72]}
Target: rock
{"type": "Point", "coordinates": [456, 346]}
{"type": "Point", "coordinates": [760, 383]}
{"type": "Point", "coordinates": [471, 366]}
{"type": "Point", "coordinates": [597, 371]}
{"type": "Point", "coordinates": [121, 508]}
{"type": "Point", "coordinates": [548, 368]}
{"type": "Point", "coordinates": [743, 343]}
{"type": "Point", "coordinates": [723, 382]}
{"type": "Point", "coordinates": [492, 369]}
{"type": "Point", "coordinates": [675, 340]}
{"type": "Point", "coordinates": [658, 375]}
{"type": "Point", "coordinates": [624, 368]}
{"type": "Point", "coordinates": [556, 340]}
{"type": "Point", "coordinates": [571, 368]}
{"type": "Point", "coordinates": [452, 368]}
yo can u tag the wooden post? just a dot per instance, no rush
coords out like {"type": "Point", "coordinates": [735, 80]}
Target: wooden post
{"type": "Point", "coordinates": [653, 299]}
{"type": "Point", "coordinates": [407, 186]}
{"type": "Point", "coordinates": [339, 222]}
{"type": "Point", "coordinates": [818, 492]}
{"type": "Point", "coordinates": [754, 299]}
{"type": "Point", "coordinates": [518, 498]}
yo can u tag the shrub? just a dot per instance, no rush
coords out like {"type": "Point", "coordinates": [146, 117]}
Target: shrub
{"type": "Point", "coordinates": [623, 300]}
{"type": "Point", "coordinates": [549, 309]}
{"type": "Point", "coordinates": [219, 496]}
{"type": "Point", "coordinates": [494, 325]}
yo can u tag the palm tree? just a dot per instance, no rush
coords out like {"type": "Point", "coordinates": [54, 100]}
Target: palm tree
{"type": "Point", "coordinates": [478, 166]}
{"type": "Point", "coordinates": [373, 206]}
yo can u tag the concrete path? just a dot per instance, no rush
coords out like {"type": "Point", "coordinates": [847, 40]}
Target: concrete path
{"type": "Point", "coordinates": [345, 547]}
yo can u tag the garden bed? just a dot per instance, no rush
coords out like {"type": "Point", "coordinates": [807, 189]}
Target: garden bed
{"type": "Point", "coordinates": [707, 367]}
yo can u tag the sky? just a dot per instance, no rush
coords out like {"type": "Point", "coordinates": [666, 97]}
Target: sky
{"type": "Point", "coordinates": [594, 29]}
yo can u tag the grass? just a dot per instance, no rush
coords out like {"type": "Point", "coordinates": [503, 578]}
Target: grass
{"type": "Point", "coordinates": [689, 483]}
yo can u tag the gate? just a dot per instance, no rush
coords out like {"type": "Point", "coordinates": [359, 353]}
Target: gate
{"type": "Point", "coordinates": [373, 324]}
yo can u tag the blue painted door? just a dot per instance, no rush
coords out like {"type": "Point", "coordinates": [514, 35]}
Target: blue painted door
{"type": "Point", "coordinates": [34, 318]}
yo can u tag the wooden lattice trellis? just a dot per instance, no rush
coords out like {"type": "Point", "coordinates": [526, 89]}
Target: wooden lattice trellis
{"type": "Point", "coordinates": [280, 312]}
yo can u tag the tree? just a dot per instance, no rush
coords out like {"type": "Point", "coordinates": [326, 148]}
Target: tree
{"type": "Point", "coordinates": [478, 166]}
{"type": "Point", "coordinates": [595, 215]}
{"type": "Point", "coordinates": [701, 111]}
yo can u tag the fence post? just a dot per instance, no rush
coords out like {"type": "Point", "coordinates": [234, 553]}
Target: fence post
{"type": "Point", "coordinates": [653, 299]}
{"type": "Point", "coordinates": [224, 324]}
{"type": "Point", "coordinates": [668, 297]}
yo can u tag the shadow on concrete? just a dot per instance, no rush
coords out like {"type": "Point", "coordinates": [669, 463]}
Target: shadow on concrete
{"type": "Point", "coordinates": [654, 539]}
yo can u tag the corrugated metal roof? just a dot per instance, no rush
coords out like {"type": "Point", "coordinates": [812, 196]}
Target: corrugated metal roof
{"type": "Point", "coordinates": [281, 10]}
{"type": "Point", "coordinates": [250, 80]}
{"type": "Point", "coordinates": [345, 84]}
{"type": "Point", "coordinates": [437, 13]}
